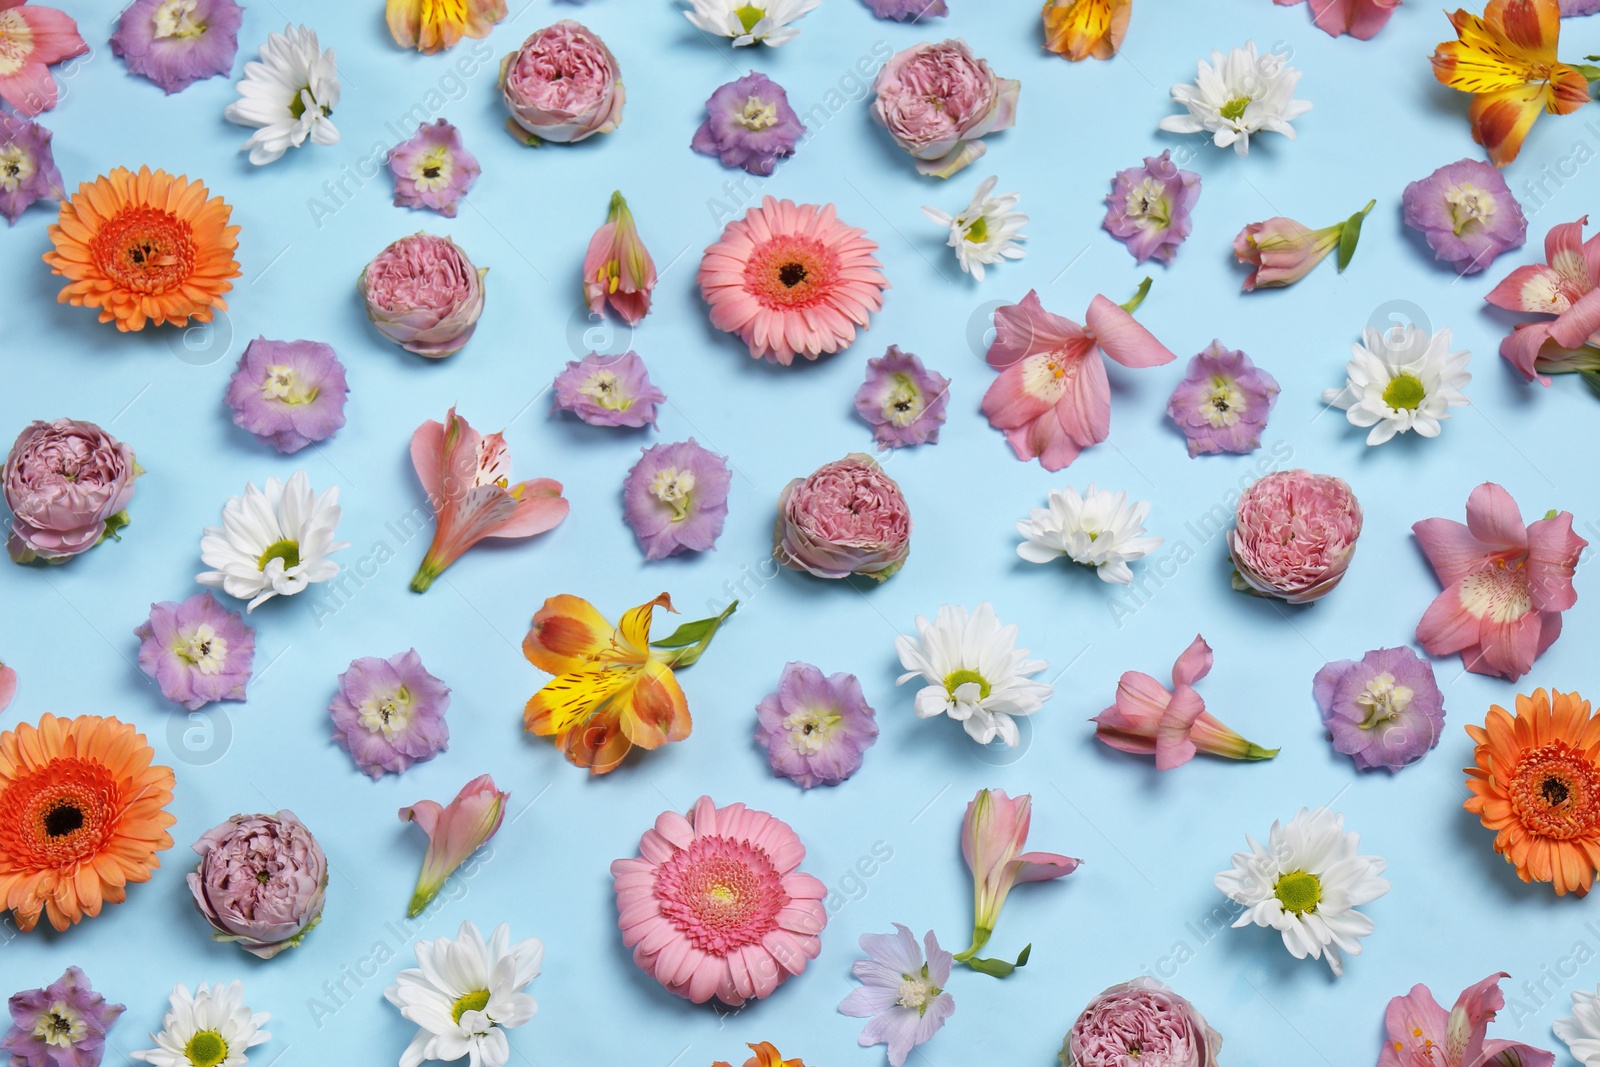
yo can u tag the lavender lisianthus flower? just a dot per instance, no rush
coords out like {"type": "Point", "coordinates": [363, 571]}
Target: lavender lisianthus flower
{"type": "Point", "coordinates": [1571, 8]}
{"type": "Point", "coordinates": [1148, 207]}
{"type": "Point", "coordinates": [433, 170]}
{"type": "Point", "coordinates": [288, 393]}
{"type": "Point", "coordinates": [1466, 212]}
{"type": "Point", "coordinates": [901, 995]}
{"type": "Point", "coordinates": [749, 124]}
{"type": "Point", "coordinates": [1223, 402]}
{"type": "Point", "coordinates": [608, 391]}
{"type": "Point", "coordinates": [1384, 710]}
{"type": "Point", "coordinates": [27, 166]}
{"type": "Point", "coordinates": [907, 10]}
{"type": "Point", "coordinates": [175, 43]}
{"type": "Point", "coordinates": [197, 651]}
{"type": "Point", "coordinates": [389, 713]}
{"type": "Point", "coordinates": [62, 1025]}
{"type": "Point", "coordinates": [676, 499]}
{"type": "Point", "coordinates": [261, 882]}
{"type": "Point", "coordinates": [903, 401]}
{"type": "Point", "coordinates": [816, 727]}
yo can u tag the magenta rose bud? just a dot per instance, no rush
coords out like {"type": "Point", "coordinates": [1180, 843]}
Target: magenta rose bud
{"type": "Point", "coordinates": [938, 102]}
{"type": "Point", "coordinates": [1294, 535]}
{"type": "Point", "coordinates": [562, 85]}
{"type": "Point", "coordinates": [1142, 1022]}
{"type": "Point", "coordinates": [424, 294]}
{"type": "Point", "coordinates": [261, 882]}
{"type": "Point", "coordinates": [847, 518]}
{"type": "Point", "coordinates": [67, 484]}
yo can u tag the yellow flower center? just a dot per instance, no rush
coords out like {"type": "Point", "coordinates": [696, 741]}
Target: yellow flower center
{"type": "Point", "coordinates": [1223, 403]}
{"type": "Point", "coordinates": [206, 1049]}
{"type": "Point", "coordinates": [956, 679]}
{"type": "Point", "coordinates": [601, 387]}
{"type": "Point", "coordinates": [288, 551]}
{"type": "Point", "coordinates": [749, 15]}
{"type": "Point", "coordinates": [756, 114]}
{"type": "Point", "coordinates": [433, 169]}
{"type": "Point", "coordinates": [904, 403]}
{"type": "Point", "coordinates": [1383, 699]}
{"type": "Point", "coordinates": [175, 18]}
{"type": "Point", "coordinates": [674, 488]}
{"type": "Point", "coordinates": [285, 383]}
{"type": "Point", "coordinates": [16, 167]}
{"type": "Point", "coordinates": [16, 41]}
{"type": "Point", "coordinates": [1147, 202]}
{"type": "Point", "coordinates": [1233, 110]}
{"type": "Point", "coordinates": [476, 1000]}
{"type": "Point", "coordinates": [1468, 204]}
{"type": "Point", "coordinates": [204, 649]}
{"type": "Point", "coordinates": [61, 1026]}
{"type": "Point", "coordinates": [1404, 392]}
{"type": "Point", "coordinates": [1299, 892]}
{"type": "Point", "coordinates": [978, 230]}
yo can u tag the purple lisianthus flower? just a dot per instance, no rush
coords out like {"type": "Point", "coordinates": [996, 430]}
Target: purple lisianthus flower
{"type": "Point", "coordinates": [433, 170]}
{"type": "Point", "coordinates": [608, 391]}
{"type": "Point", "coordinates": [1148, 207]}
{"type": "Point", "coordinates": [1467, 213]}
{"type": "Point", "coordinates": [749, 124]}
{"type": "Point", "coordinates": [288, 393]}
{"type": "Point", "coordinates": [903, 401]}
{"type": "Point", "coordinates": [676, 498]}
{"type": "Point", "coordinates": [907, 10]}
{"type": "Point", "coordinates": [1223, 402]}
{"type": "Point", "coordinates": [27, 166]}
{"type": "Point", "coordinates": [197, 651]}
{"type": "Point", "coordinates": [1384, 711]}
{"type": "Point", "coordinates": [901, 994]}
{"type": "Point", "coordinates": [816, 727]}
{"type": "Point", "coordinates": [1569, 8]}
{"type": "Point", "coordinates": [389, 713]}
{"type": "Point", "coordinates": [175, 43]}
{"type": "Point", "coordinates": [261, 882]}
{"type": "Point", "coordinates": [62, 1025]}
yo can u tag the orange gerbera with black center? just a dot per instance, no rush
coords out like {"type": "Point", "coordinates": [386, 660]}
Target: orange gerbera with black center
{"type": "Point", "coordinates": [1537, 785]}
{"type": "Point", "coordinates": [81, 815]}
{"type": "Point", "coordinates": [145, 247]}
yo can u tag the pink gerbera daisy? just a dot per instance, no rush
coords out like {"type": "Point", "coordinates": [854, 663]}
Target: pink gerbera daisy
{"type": "Point", "coordinates": [791, 279]}
{"type": "Point", "coordinates": [714, 905]}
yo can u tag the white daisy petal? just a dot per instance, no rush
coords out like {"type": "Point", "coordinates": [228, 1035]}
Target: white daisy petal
{"type": "Point", "coordinates": [465, 994]}
{"type": "Point", "coordinates": [272, 542]}
{"type": "Point", "coordinates": [973, 671]}
{"type": "Point", "coordinates": [1402, 380]}
{"type": "Point", "coordinates": [1236, 95]}
{"type": "Point", "coordinates": [288, 93]}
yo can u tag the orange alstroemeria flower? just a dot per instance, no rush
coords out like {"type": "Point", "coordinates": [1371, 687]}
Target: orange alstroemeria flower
{"type": "Point", "coordinates": [766, 1055]}
{"type": "Point", "coordinates": [1079, 29]}
{"type": "Point", "coordinates": [1507, 60]}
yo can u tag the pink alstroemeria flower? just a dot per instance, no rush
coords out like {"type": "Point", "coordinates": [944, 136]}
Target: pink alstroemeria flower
{"type": "Point", "coordinates": [992, 837]}
{"type": "Point", "coordinates": [1567, 286]}
{"type": "Point", "coordinates": [617, 269]}
{"type": "Point", "coordinates": [1053, 399]}
{"type": "Point", "coordinates": [1361, 19]}
{"type": "Point", "coordinates": [466, 477]}
{"type": "Point", "coordinates": [454, 833]}
{"type": "Point", "coordinates": [1505, 583]}
{"type": "Point", "coordinates": [1421, 1032]}
{"type": "Point", "coordinates": [32, 38]}
{"type": "Point", "coordinates": [8, 686]}
{"type": "Point", "coordinates": [1148, 719]}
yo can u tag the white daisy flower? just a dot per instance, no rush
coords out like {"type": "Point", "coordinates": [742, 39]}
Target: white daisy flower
{"type": "Point", "coordinates": [272, 542]}
{"type": "Point", "coordinates": [986, 232]}
{"type": "Point", "coordinates": [212, 1028]}
{"type": "Point", "coordinates": [288, 93]}
{"type": "Point", "coordinates": [1581, 1030]}
{"type": "Point", "coordinates": [1306, 883]}
{"type": "Point", "coordinates": [466, 995]}
{"type": "Point", "coordinates": [1237, 95]}
{"type": "Point", "coordinates": [975, 672]}
{"type": "Point", "coordinates": [1099, 529]}
{"type": "Point", "coordinates": [750, 21]}
{"type": "Point", "coordinates": [1401, 380]}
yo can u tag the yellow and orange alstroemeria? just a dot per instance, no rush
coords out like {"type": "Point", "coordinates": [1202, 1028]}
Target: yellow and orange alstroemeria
{"type": "Point", "coordinates": [430, 26]}
{"type": "Point", "coordinates": [1507, 60]}
{"type": "Point", "coordinates": [1079, 29]}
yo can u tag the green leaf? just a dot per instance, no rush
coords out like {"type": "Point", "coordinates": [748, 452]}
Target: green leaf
{"type": "Point", "coordinates": [114, 524]}
{"type": "Point", "coordinates": [1591, 73]}
{"type": "Point", "coordinates": [1592, 380]}
{"type": "Point", "coordinates": [691, 640]}
{"type": "Point", "coordinates": [1000, 968]}
{"type": "Point", "coordinates": [1350, 233]}
{"type": "Point", "coordinates": [1138, 297]}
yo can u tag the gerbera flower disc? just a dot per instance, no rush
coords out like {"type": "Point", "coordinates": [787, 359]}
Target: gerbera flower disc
{"type": "Point", "coordinates": [791, 279]}
{"type": "Point", "coordinates": [1537, 785]}
{"type": "Point", "coordinates": [145, 247]}
{"type": "Point", "coordinates": [82, 814]}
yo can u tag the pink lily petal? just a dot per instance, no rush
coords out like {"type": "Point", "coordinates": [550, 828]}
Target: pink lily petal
{"type": "Point", "coordinates": [1574, 326]}
{"type": "Point", "coordinates": [1469, 1019]}
{"type": "Point", "coordinates": [1494, 519]}
{"type": "Point", "coordinates": [1446, 626]}
{"type": "Point", "coordinates": [1026, 328]}
{"type": "Point", "coordinates": [1043, 866]}
{"type": "Point", "coordinates": [1084, 410]}
{"type": "Point", "coordinates": [1450, 547]}
{"type": "Point", "coordinates": [1514, 293]}
{"type": "Point", "coordinates": [1008, 406]}
{"type": "Point", "coordinates": [1194, 663]}
{"type": "Point", "coordinates": [1174, 747]}
{"type": "Point", "coordinates": [1521, 349]}
{"type": "Point", "coordinates": [1413, 1021]}
{"type": "Point", "coordinates": [1553, 551]}
{"type": "Point", "coordinates": [8, 686]}
{"type": "Point", "coordinates": [1508, 649]}
{"type": "Point", "coordinates": [1121, 337]}
{"type": "Point", "coordinates": [55, 35]}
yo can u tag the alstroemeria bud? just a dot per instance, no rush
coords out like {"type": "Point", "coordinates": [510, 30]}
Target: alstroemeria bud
{"type": "Point", "coordinates": [454, 833]}
{"type": "Point", "coordinates": [617, 269]}
{"type": "Point", "coordinates": [992, 838]}
{"type": "Point", "coordinates": [424, 294]}
{"type": "Point", "coordinates": [1282, 251]}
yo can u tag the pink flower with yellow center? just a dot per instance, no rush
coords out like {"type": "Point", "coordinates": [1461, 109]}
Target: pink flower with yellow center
{"type": "Point", "coordinates": [31, 39]}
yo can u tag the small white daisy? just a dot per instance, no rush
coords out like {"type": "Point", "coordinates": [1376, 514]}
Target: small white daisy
{"type": "Point", "coordinates": [1237, 95]}
{"type": "Point", "coordinates": [1581, 1030]}
{"type": "Point", "coordinates": [466, 995]}
{"type": "Point", "coordinates": [750, 21]}
{"type": "Point", "coordinates": [288, 93]}
{"type": "Point", "coordinates": [1306, 883]}
{"type": "Point", "coordinates": [975, 672]}
{"type": "Point", "coordinates": [1401, 380]}
{"type": "Point", "coordinates": [272, 542]}
{"type": "Point", "coordinates": [1099, 529]}
{"type": "Point", "coordinates": [212, 1028]}
{"type": "Point", "coordinates": [987, 231]}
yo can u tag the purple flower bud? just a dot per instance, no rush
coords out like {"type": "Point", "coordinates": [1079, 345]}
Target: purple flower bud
{"type": "Point", "coordinates": [261, 882]}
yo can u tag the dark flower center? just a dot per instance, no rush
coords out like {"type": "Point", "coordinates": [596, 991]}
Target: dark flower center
{"type": "Point", "coordinates": [791, 275]}
{"type": "Point", "coordinates": [1554, 791]}
{"type": "Point", "coordinates": [62, 820]}
{"type": "Point", "coordinates": [431, 171]}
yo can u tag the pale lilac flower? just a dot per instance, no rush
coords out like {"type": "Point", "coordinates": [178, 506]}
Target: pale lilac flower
{"type": "Point", "coordinates": [1223, 402]}
{"type": "Point", "coordinates": [816, 727]}
{"type": "Point", "coordinates": [903, 401]}
{"type": "Point", "coordinates": [676, 499]}
{"type": "Point", "coordinates": [62, 1025]}
{"type": "Point", "coordinates": [289, 394]}
{"type": "Point", "coordinates": [175, 43]}
{"type": "Point", "coordinates": [1384, 711]}
{"type": "Point", "coordinates": [907, 10]}
{"type": "Point", "coordinates": [1148, 207]}
{"type": "Point", "coordinates": [749, 124]}
{"type": "Point", "coordinates": [1571, 8]}
{"type": "Point", "coordinates": [27, 166]}
{"type": "Point", "coordinates": [261, 882]}
{"type": "Point", "coordinates": [901, 994]}
{"type": "Point", "coordinates": [197, 651]}
{"type": "Point", "coordinates": [432, 170]}
{"type": "Point", "coordinates": [389, 713]}
{"type": "Point", "coordinates": [608, 391]}
{"type": "Point", "coordinates": [1467, 213]}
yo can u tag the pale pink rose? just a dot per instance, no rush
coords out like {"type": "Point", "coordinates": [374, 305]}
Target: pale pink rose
{"type": "Point", "coordinates": [1294, 535]}
{"type": "Point", "coordinates": [64, 482]}
{"type": "Point", "coordinates": [1141, 1021]}
{"type": "Point", "coordinates": [938, 102]}
{"type": "Point", "coordinates": [562, 85]}
{"type": "Point", "coordinates": [424, 294]}
{"type": "Point", "coordinates": [847, 518]}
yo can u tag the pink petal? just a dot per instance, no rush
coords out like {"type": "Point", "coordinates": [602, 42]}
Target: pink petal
{"type": "Point", "coordinates": [1173, 745]}
{"type": "Point", "coordinates": [55, 35]}
{"type": "Point", "coordinates": [1415, 1019]}
{"type": "Point", "coordinates": [1573, 327]}
{"type": "Point", "coordinates": [1508, 649]}
{"type": "Point", "coordinates": [1450, 548]}
{"type": "Point", "coordinates": [1084, 409]}
{"type": "Point", "coordinates": [540, 507]}
{"type": "Point", "coordinates": [1193, 664]}
{"type": "Point", "coordinates": [1469, 1019]}
{"type": "Point", "coordinates": [1043, 866]}
{"type": "Point", "coordinates": [1509, 293]}
{"type": "Point", "coordinates": [1494, 518]}
{"type": "Point", "coordinates": [1446, 627]}
{"type": "Point", "coordinates": [1007, 405]}
{"type": "Point", "coordinates": [1521, 349]}
{"type": "Point", "coordinates": [30, 89]}
{"type": "Point", "coordinates": [1026, 328]}
{"type": "Point", "coordinates": [1553, 551]}
{"type": "Point", "coordinates": [1122, 338]}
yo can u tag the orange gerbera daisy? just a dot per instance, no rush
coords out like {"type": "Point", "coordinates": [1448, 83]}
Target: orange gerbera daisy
{"type": "Point", "coordinates": [146, 247]}
{"type": "Point", "coordinates": [81, 816]}
{"type": "Point", "coordinates": [1537, 785]}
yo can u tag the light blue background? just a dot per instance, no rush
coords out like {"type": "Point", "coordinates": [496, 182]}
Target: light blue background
{"type": "Point", "coordinates": [1150, 842]}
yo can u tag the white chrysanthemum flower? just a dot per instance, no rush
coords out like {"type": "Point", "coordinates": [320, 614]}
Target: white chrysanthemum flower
{"type": "Point", "coordinates": [987, 231]}
{"type": "Point", "coordinates": [1306, 883]}
{"type": "Point", "coordinates": [975, 672]}
{"type": "Point", "coordinates": [212, 1028]}
{"type": "Point", "coordinates": [272, 542]}
{"type": "Point", "coordinates": [289, 93]}
{"type": "Point", "coordinates": [1237, 95]}
{"type": "Point", "coordinates": [750, 21]}
{"type": "Point", "coordinates": [1581, 1030]}
{"type": "Point", "coordinates": [1401, 380]}
{"type": "Point", "coordinates": [1099, 529]}
{"type": "Point", "coordinates": [466, 995]}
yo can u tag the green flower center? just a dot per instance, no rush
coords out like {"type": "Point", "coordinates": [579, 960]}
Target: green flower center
{"type": "Point", "coordinates": [476, 1000]}
{"type": "Point", "coordinates": [749, 15]}
{"type": "Point", "coordinates": [288, 551]}
{"type": "Point", "coordinates": [956, 679]}
{"type": "Point", "coordinates": [1299, 892]}
{"type": "Point", "coordinates": [1233, 110]}
{"type": "Point", "coordinates": [1404, 392]}
{"type": "Point", "coordinates": [978, 232]}
{"type": "Point", "coordinates": [206, 1049]}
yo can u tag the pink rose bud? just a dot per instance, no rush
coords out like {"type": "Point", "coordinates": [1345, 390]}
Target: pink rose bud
{"type": "Point", "coordinates": [938, 102]}
{"type": "Point", "coordinates": [67, 484]}
{"type": "Point", "coordinates": [261, 882]}
{"type": "Point", "coordinates": [617, 269]}
{"type": "Point", "coordinates": [847, 518]}
{"type": "Point", "coordinates": [1141, 1021]}
{"type": "Point", "coordinates": [562, 85]}
{"type": "Point", "coordinates": [424, 294]}
{"type": "Point", "coordinates": [1294, 535]}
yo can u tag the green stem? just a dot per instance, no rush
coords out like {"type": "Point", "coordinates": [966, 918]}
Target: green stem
{"type": "Point", "coordinates": [1138, 297]}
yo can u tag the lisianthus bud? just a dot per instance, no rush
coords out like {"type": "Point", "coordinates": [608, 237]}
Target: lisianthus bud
{"type": "Point", "coordinates": [847, 518]}
{"type": "Point", "coordinates": [424, 294]}
{"type": "Point", "coordinates": [261, 881]}
{"type": "Point", "coordinates": [1294, 535]}
{"type": "Point", "coordinates": [562, 85]}
{"type": "Point", "coordinates": [66, 483]}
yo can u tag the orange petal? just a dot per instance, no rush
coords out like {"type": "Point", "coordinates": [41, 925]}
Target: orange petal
{"type": "Point", "coordinates": [569, 699]}
{"type": "Point", "coordinates": [654, 711]}
{"type": "Point", "coordinates": [635, 628]}
{"type": "Point", "coordinates": [1531, 26]}
{"type": "Point", "coordinates": [568, 635]}
{"type": "Point", "coordinates": [1501, 120]}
